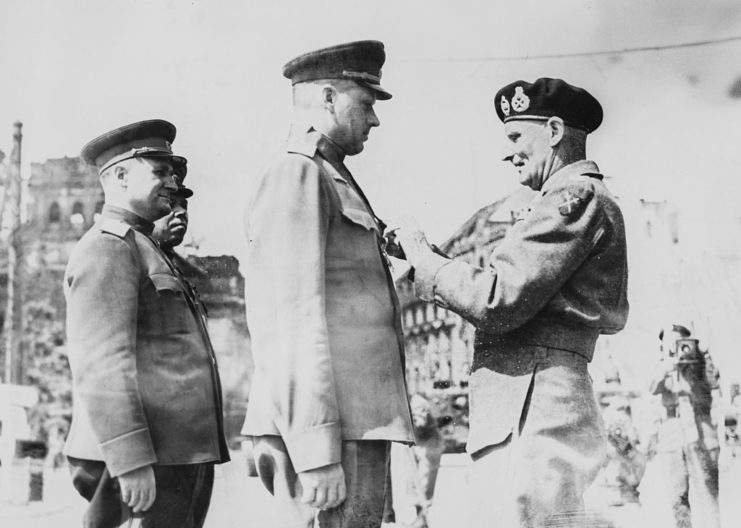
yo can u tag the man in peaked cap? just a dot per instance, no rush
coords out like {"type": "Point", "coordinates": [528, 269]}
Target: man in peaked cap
{"type": "Point", "coordinates": [169, 231]}
{"type": "Point", "coordinates": [551, 287]}
{"type": "Point", "coordinates": [146, 421]}
{"type": "Point", "coordinates": [328, 394]}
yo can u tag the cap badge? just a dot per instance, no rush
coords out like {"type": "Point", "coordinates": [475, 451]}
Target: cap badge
{"type": "Point", "coordinates": [504, 104]}
{"type": "Point", "coordinates": [520, 101]}
{"type": "Point", "coordinates": [168, 146]}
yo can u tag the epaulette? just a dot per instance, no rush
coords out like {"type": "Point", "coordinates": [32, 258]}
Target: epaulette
{"type": "Point", "coordinates": [305, 145]}
{"type": "Point", "coordinates": [114, 227]}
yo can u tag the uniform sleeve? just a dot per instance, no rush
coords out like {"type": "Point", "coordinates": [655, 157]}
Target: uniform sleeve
{"type": "Point", "coordinates": [287, 234]}
{"type": "Point", "coordinates": [102, 302]}
{"type": "Point", "coordinates": [530, 266]}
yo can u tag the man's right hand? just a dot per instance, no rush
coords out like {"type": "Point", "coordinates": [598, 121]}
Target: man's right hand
{"type": "Point", "coordinates": [324, 487]}
{"type": "Point", "coordinates": [138, 489]}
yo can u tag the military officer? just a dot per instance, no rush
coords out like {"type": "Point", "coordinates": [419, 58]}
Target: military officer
{"type": "Point", "coordinates": [169, 231]}
{"type": "Point", "coordinates": [146, 423]}
{"type": "Point", "coordinates": [328, 393]}
{"type": "Point", "coordinates": [554, 284]}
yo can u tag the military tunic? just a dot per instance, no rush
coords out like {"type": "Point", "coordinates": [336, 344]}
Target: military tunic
{"type": "Point", "coordinates": [556, 282]}
{"type": "Point", "coordinates": [145, 384]}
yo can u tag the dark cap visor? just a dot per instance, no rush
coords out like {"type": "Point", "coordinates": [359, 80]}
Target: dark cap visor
{"type": "Point", "coordinates": [381, 93]}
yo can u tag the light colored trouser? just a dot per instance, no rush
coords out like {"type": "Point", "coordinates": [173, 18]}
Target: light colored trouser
{"type": "Point", "coordinates": [365, 463]}
{"type": "Point", "coordinates": [537, 476]}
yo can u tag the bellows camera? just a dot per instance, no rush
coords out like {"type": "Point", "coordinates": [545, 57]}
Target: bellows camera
{"type": "Point", "coordinates": [686, 351]}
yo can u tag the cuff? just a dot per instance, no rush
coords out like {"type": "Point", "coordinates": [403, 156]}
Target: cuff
{"type": "Point", "coordinates": [128, 452]}
{"type": "Point", "coordinates": [425, 274]}
{"type": "Point", "coordinates": [315, 447]}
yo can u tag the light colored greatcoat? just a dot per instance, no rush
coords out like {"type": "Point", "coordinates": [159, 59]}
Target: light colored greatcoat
{"type": "Point", "coordinates": [322, 311]}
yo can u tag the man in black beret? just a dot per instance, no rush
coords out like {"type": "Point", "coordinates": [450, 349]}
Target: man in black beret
{"type": "Point", "coordinates": [147, 414]}
{"type": "Point", "coordinates": [328, 394]}
{"type": "Point", "coordinates": [552, 286]}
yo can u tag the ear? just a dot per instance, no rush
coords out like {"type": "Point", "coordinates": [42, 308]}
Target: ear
{"type": "Point", "coordinates": [556, 129]}
{"type": "Point", "coordinates": [329, 97]}
{"type": "Point", "coordinates": [119, 174]}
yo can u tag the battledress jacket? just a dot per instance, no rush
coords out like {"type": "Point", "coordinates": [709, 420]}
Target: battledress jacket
{"type": "Point", "coordinates": [146, 388]}
{"type": "Point", "coordinates": [557, 280]}
{"type": "Point", "coordinates": [322, 310]}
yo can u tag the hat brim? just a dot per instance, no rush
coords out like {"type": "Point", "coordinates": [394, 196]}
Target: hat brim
{"type": "Point", "coordinates": [381, 93]}
{"type": "Point", "coordinates": [183, 192]}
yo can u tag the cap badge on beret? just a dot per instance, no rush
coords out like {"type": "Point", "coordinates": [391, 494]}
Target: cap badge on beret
{"type": "Point", "coordinates": [520, 101]}
{"type": "Point", "coordinates": [546, 98]}
{"type": "Point", "coordinates": [505, 106]}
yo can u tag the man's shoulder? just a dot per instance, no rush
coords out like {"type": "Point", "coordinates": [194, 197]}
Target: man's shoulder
{"type": "Point", "coordinates": [291, 165]}
{"type": "Point", "coordinates": [105, 240]}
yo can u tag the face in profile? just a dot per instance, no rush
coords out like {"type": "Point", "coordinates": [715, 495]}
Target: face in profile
{"type": "Point", "coordinates": [354, 116]}
{"type": "Point", "coordinates": [149, 186]}
{"type": "Point", "coordinates": [527, 148]}
{"type": "Point", "coordinates": [170, 230]}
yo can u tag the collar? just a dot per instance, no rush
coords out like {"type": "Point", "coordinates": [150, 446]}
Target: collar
{"type": "Point", "coordinates": [307, 141]}
{"type": "Point", "coordinates": [578, 168]}
{"type": "Point", "coordinates": [124, 215]}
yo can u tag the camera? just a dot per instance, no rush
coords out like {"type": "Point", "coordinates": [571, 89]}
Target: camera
{"type": "Point", "coordinates": [686, 351]}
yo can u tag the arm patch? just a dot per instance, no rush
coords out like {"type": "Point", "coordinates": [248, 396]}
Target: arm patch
{"type": "Point", "coordinates": [572, 200]}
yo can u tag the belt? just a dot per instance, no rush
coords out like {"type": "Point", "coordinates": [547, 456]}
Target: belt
{"type": "Point", "coordinates": [549, 334]}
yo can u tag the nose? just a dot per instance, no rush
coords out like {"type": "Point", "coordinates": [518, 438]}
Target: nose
{"type": "Point", "coordinates": [373, 120]}
{"type": "Point", "coordinates": [170, 183]}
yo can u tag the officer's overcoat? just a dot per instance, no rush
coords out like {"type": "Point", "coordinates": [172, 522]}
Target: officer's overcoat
{"type": "Point", "coordinates": [145, 384]}
{"type": "Point", "coordinates": [322, 311]}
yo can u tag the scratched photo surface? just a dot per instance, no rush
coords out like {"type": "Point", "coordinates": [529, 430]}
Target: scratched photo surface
{"type": "Point", "coordinates": [667, 73]}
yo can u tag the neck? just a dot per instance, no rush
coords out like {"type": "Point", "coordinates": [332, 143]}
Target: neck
{"type": "Point", "coordinates": [560, 158]}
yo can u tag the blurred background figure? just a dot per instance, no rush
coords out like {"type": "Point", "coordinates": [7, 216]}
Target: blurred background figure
{"type": "Point", "coordinates": [416, 467]}
{"type": "Point", "coordinates": [731, 418]}
{"type": "Point", "coordinates": [626, 462]}
{"type": "Point", "coordinates": [687, 446]}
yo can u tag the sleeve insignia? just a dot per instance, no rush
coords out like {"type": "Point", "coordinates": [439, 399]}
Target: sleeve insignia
{"type": "Point", "coordinates": [520, 101]}
{"type": "Point", "coordinates": [504, 105]}
{"type": "Point", "coordinates": [573, 200]}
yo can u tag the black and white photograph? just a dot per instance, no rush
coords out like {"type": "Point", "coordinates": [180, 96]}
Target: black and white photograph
{"type": "Point", "coordinates": [415, 264]}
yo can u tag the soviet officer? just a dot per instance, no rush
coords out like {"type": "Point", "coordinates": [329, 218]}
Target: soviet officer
{"type": "Point", "coordinates": [146, 421]}
{"type": "Point", "coordinates": [169, 231]}
{"type": "Point", "coordinates": [554, 284]}
{"type": "Point", "coordinates": [328, 394]}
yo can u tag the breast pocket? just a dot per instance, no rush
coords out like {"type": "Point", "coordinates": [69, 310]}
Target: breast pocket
{"type": "Point", "coordinates": [167, 310]}
{"type": "Point", "coordinates": [359, 217]}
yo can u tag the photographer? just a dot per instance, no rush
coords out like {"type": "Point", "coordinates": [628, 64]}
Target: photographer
{"type": "Point", "coordinates": [688, 440]}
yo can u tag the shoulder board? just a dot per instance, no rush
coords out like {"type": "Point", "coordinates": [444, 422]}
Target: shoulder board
{"type": "Point", "coordinates": [305, 145]}
{"type": "Point", "coordinates": [114, 227]}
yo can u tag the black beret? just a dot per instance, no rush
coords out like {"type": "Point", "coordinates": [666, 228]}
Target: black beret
{"type": "Point", "coordinates": [359, 61]}
{"type": "Point", "coordinates": [548, 98]}
{"type": "Point", "coordinates": [144, 139]}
